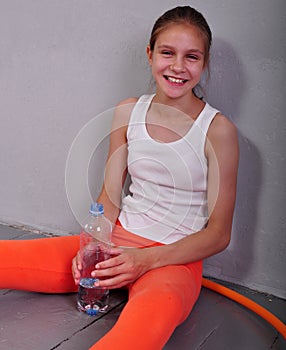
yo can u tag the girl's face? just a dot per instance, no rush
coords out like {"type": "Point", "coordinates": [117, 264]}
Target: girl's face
{"type": "Point", "coordinates": [178, 60]}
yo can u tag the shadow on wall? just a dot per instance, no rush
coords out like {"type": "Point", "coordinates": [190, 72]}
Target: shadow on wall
{"type": "Point", "coordinates": [225, 90]}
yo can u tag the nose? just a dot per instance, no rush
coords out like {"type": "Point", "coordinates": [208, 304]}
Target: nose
{"type": "Point", "coordinates": [178, 65]}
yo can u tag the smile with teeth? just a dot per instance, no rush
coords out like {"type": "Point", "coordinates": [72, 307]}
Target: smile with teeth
{"type": "Point", "coordinates": [175, 80]}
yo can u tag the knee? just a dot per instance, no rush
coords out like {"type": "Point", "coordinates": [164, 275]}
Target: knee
{"type": "Point", "coordinates": [171, 290]}
{"type": "Point", "coordinates": [161, 297]}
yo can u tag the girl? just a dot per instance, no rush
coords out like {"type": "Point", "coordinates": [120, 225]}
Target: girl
{"type": "Point", "coordinates": [182, 156]}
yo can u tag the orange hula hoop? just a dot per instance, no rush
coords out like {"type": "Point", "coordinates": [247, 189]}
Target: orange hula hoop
{"type": "Point", "coordinates": [256, 308]}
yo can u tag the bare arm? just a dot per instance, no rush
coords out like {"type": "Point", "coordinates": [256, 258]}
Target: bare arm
{"type": "Point", "coordinates": [222, 154]}
{"type": "Point", "coordinates": [115, 170]}
{"type": "Point", "coordinates": [116, 165]}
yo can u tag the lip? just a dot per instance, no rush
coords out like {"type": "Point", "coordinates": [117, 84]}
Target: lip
{"type": "Point", "coordinates": [175, 80]}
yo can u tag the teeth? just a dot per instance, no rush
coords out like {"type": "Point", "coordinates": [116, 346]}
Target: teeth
{"type": "Point", "coordinates": [174, 80]}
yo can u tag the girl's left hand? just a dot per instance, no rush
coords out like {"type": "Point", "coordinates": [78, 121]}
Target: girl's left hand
{"type": "Point", "coordinates": [125, 266]}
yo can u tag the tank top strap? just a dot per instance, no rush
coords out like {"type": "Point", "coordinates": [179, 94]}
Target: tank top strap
{"type": "Point", "coordinates": [141, 107]}
{"type": "Point", "coordinates": [205, 118]}
{"type": "Point", "coordinates": [138, 114]}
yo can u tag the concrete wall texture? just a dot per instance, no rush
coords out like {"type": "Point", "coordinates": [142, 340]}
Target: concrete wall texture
{"type": "Point", "coordinates": [62, 63]}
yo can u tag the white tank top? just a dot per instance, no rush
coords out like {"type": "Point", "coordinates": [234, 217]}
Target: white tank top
{"type": "Point", "coordinates": [168, 191]}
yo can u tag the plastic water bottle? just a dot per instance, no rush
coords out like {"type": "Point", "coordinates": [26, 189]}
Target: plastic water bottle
{"type": "Point", "coordinates": [95, 242]}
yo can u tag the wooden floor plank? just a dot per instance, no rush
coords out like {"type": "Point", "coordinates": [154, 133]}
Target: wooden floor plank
{"type": "Point", "coordinates": [50, 321]}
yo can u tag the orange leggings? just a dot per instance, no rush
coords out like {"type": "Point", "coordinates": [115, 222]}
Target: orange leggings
{"type": "Point", "coordinates": [158, 301]}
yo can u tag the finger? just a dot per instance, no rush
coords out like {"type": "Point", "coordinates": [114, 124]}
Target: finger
{"type": "Point", "coordinates": [108, 272]}
{"type": "Point", "coordinates": [78, 261]}
{"type": "Point", "coordinates": [77, 265]}
{"type": "Point", "coordinates": [75, 271]}
{"type": "Point", "coordinates": [114, 282]}
{"type": "Point", "coordinates": [74, 266]}
{"type": "Point", "coordinates": [109, 263]}
{"type": "Point", "coordinates": [76, 275]}
{"type": "Point", "coordinates": [116, 251]}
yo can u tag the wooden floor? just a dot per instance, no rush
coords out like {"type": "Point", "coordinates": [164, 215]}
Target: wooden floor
{"type": "Point", "coordinates": [37, 321]}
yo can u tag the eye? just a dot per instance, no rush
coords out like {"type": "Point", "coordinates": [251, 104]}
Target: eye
{"type": "Point", "coordinates": [166, 53]}
{"type": "Point", "coordinates": [192, 57]}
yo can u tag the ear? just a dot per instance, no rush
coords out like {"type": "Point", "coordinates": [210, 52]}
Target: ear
{"type": "Point", "coordinates": [149, 54]}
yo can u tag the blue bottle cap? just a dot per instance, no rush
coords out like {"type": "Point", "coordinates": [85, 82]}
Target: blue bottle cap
{"type": "Point", "coordinates": [92, 312]}
{"type": "Point", "coordinates": [96, 209]}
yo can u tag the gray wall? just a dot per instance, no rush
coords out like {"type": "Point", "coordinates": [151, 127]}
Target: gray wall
{"type": "Point", "coordinates": [62, 63]}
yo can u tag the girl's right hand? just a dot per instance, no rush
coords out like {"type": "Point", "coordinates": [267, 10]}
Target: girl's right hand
{"type": "Point", "coordinates": [76, 268]}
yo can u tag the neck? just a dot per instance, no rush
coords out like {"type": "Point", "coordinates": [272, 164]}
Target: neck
{"type": "Point", "coordinates": [187, 104]}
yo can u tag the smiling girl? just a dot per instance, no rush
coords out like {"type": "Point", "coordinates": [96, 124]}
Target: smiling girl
{"type": "Point", "coordinates": [182, 157]}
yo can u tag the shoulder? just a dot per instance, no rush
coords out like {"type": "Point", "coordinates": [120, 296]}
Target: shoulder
{"type": "Point", "coordinates": [128, 101]}
{"type": "Point", "coordinates": [221, 127]}
{"type": "Point", "coordinates": [222, 134]}
{"type": "Point", "coordinates": [122, 112]}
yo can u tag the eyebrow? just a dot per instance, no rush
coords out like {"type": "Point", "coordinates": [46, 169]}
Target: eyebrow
{"type": "Point", "coordinates": [166, 46]}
